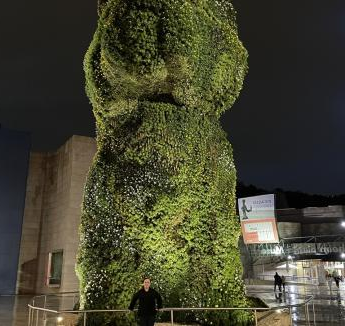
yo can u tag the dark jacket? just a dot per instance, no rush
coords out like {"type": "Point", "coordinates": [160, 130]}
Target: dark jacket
{"type": "Point", "coordinates": [149, 302]}
{"type": "Point", "coordinates": [277, 279]}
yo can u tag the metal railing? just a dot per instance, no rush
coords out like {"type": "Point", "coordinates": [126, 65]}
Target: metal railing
{"type": "Point", "coordinates": [290, 279]}
{"type": "Point", "coordinates": [36, 313]}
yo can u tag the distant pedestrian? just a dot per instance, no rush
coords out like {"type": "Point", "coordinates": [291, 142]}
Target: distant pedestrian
{"type": "Point", "coordinates": [283, 282]}
{"type": "Point", "coordinates": [329, 281]}
{"type": "Point", "coordinates": [150, 302]}
{"type": "Point", "coordinates": [277, 281]}
{"type": "Point", "coordinates": [337, 280]}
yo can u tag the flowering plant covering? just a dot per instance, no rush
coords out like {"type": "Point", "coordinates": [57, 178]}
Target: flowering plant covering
{"type": "Point", "coordinates": [160, 195]}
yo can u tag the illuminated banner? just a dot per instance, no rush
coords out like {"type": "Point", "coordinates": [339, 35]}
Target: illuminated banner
{"type": "Point", "coordinates": [258, 221]}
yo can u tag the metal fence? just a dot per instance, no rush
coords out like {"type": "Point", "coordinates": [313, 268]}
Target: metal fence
{"type": "Point", "coordinates": [41, 315]}
{"type": "Point", "coordinates": [290, 279]}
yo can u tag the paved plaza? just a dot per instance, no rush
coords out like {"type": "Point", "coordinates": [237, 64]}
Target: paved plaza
{"type": "Point", "coordinates": [329, 306]}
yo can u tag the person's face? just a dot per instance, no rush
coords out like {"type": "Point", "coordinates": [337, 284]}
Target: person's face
{"type": "Point", "coordinates": [147, 284]}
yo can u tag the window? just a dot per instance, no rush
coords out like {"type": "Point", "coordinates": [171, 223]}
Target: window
{"type": "Point", "coordinates": [306, 263]}
{"type": "Point", "coordinates": [54, 274]}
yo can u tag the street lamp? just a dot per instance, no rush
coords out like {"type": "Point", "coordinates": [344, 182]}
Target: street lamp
{"type": "Point", "coordinates": [343, 224]}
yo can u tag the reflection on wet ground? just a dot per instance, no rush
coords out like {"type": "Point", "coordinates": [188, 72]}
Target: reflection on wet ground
{"type": "Point", "coordinates": [329, 306]}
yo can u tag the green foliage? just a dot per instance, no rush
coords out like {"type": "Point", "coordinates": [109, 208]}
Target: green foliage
{"type": "Point", "coordinates": [160, 195]}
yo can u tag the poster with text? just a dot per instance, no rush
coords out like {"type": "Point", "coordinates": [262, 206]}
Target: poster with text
{"type": "Point", "coordinates": [258, 220]}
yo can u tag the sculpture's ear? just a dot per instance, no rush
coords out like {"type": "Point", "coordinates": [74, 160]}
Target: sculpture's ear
{"type": "Point", "coordinates": [101, 5]}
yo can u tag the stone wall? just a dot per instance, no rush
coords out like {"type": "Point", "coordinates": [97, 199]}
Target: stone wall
{"type": "Point", "coordinates": [52, 213]}
{"type": "Point", "coordinates": [83, 151]}
{"type": "Point", "coordinates": [27, 266]}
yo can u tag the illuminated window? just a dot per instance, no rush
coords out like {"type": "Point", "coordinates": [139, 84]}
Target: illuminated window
{"type": "Point", "coordinates": [305, 263]}
{"type": "Point", "coordinates": [54, 274]}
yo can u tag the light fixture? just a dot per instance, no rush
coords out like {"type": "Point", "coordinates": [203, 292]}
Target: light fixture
{"type": "Point", "coordinates": [59, 319]}
{"type": "Point", "coordinates": [278, 250]}
{"type": "Point", "coordinates": [289, 257]}
{"type": "Point", "coordinates": [343, 224]}
{"type": "Point", "coordinates": [343, 255]}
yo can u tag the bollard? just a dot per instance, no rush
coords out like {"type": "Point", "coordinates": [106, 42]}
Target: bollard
{"type": "Point", "coordinates": [256, 317]}
{"type": "Point", "coordinates": [172, 317]}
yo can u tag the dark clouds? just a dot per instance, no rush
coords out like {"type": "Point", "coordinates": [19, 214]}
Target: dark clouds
{"type": "Point", "coordinates": [286, 128]}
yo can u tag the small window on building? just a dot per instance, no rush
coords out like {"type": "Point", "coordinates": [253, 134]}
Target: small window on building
{"type": "Point", "coordinates": [55, 268]}
{"type": "Point", "coordinates": [306, 263]}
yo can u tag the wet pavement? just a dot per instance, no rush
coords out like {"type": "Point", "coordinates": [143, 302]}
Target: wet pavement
{"type": "Point", "coordinates": [326, 309]}
{"type": "Point", "coordinates": [329, 306]}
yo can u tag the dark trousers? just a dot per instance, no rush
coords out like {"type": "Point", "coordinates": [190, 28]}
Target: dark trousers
{"type": "Point", "coordinates": [146, 320]}
{"type": "Point", "coordinates": [279, 286]}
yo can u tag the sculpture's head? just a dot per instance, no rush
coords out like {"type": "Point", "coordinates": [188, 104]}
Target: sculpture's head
{"type": "Point", "coordinates": [183, 51]}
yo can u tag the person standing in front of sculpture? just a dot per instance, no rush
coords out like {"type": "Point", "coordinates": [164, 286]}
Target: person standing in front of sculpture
{"type": "Point", "coordinates": [150, 302]}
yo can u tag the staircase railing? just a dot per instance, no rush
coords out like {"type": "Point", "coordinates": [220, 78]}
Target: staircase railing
{"type": "Point", "coordinates": [38, 315]}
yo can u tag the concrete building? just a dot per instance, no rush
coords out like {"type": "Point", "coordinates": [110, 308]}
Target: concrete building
{"type": "Point", "coordinates": [51, 219]}
{"type": "Point", "coordinates": [312, 244]}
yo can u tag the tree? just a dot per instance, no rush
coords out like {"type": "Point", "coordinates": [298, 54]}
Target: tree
{"type": "Point", "coordinates": [160, 195]}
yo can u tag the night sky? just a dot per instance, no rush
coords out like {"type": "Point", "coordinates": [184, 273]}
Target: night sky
{"type": "Point", "coordinates": [286, 128]}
